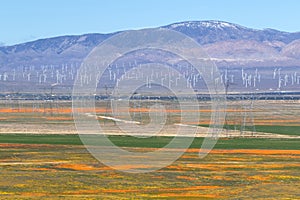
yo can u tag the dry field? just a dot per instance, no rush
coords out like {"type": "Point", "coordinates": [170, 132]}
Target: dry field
{"type": "Point", "coordinates": [44, 117]}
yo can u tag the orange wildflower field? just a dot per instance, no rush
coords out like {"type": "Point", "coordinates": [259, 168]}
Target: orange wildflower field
{"type": "Point", "coordinates": [65, 171]}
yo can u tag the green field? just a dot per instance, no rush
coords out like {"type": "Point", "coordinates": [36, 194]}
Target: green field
{"type": "Point", "coordinates": [154, 142]}
{"type": "Point", "coordinates": [283, 130]}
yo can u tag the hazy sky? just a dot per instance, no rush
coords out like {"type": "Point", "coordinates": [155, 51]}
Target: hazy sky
{"type": "Point", "coordinates": [26, 20]}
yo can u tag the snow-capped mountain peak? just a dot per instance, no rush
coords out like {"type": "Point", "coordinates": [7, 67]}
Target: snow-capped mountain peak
{"type": "Point", "coordinates": [212, 24]}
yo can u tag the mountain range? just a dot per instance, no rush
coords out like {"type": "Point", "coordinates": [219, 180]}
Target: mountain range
{"type": "Point", "coordinates": [226, 43]}
{"type": "Point", "coordinates": [251, 59]}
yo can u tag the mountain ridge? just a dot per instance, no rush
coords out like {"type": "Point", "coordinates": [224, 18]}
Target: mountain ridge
{"type": "Point", "coordinates": [237, 42]}
{"type": "Point", "coordinates": [174, 26]}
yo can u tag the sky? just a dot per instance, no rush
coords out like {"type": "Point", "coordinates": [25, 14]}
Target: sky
{"type": "Point", "coordinates": [27, 20]}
